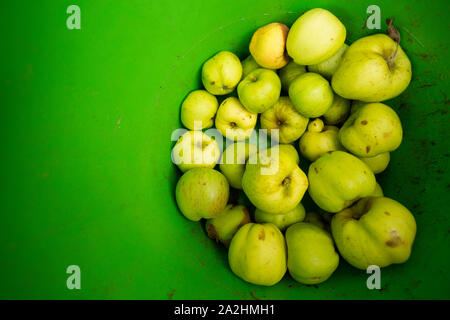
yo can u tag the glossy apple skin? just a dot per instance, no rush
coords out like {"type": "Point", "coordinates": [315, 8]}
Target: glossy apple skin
{"type": "Point", "coordinates": [222, 73]}
{"type": "Point", "coordinates": [285, 118]}
{"type": "Point", "coordinates": [311, 95]}
{"type": "Point", "coordinates": [315, 36]}
{"type": "Point", "coordinates": [257, 254]}
{"type": "Point", "coordinates": [274, 184]}
{"type": "Point", "coordinates": [199, 105]}
{"type": "Point", "coordinates": [378, 163]}
{"type": "Point", "coordinates": [232, 164]}
{"type": "Point", "coordinates": [338, 179]}
{"type": "Point", "coordinates": [202, 193]}
{"type": "Point", "coordinates": [288, 73]}
{"type": "Point", "coordinates": [234, 121]}
{"type": "Point", "coordinates": [282, 220]}
{"type": "Point", "coordinates": [319, 139]}
{"type": "Point", "coordinates": [312, 258]}
{"type": "Point", "coordinates": [366, 74]}
{"type": "Point", "coordinates": [260, 90]}
{"type": "Point", "coordinates": [338, 112]}
{"type": "Point", "coordinates": [223, 227]}
{"type": "Point", "coordinates": [195, 149]}
{"type": "Point", "coordinates": [328, 67]}
{"type": "Point", "coordinates": [372, 129]}
{"type": "Point", "coordinates": [268, 46]}
{"type": "Point", "coordinates": [248, 65]}
{"type": "Point", "coordinates": [376, 231]}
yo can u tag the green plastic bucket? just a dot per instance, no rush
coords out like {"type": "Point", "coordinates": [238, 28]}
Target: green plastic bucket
{"type": "Point", "coordinates": [87, 177]}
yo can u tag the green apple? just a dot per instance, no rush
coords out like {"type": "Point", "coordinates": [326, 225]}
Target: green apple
{"type": "Point", "coordinates": [257, 254]}
{"type": "Point", "coordinates": [319, 139]}
{"type": "Point", "coordinates": [288, 150]}
{"type": "Point", "coordinates": [315, 36]}
{"type": "Point", "coordinates": [328, 67]}
{"type": "Point", "coordinates": [288, 73]}
{"type": "Point", "coordinates": [273, 181]}
{"type": "Point", "coordinates": [281, 220]}
{"type": "Point", "coordinates": [338, 179]}
{"type": "Point", "coordinates": [338, 111]}
{"type": "Point", "coordinates": [195, 149]}
{"type": "Point", "coordinates": [315, 219]}
{"type": "Point", "coordinates": [199, 106]}
{"type": "Point", "coordinates": [284, 150]}
{"type": "Point", "coordinates": [233, 162]}
{"type": "Point", "coordinates": [234, 121]}
{"type": "Point", "coordinates": [222, 73]}
{"type": "Point", "coordinates": [248, 65]}
{"type": "Point", "coordinates": [202, 193]}
{"type": "Point", "coordinates": [223, 227]}
{"type": "Point", "coordinates": [373, 129]}
{"type": "Point", "coordinates": [259, 90]}
{"type": "Point", "coordinates": [312, 258]}
{"type": "Point", "coordinates": [374, 68]}
{"type": "Point", "coordinates": [356, 105]}
{"type": "Point", "coordinates": [377, 192]}
{"type": "Point", "coordinates": [311, 94]}
{"type": "Point", "coordinates": [285, 118]}
{"type": "Point", "coordinates": [376, 231]}
{"type": "Point", "coordinates": [268, 46]}
{"type": "Point", "coordinates": [378, 163]}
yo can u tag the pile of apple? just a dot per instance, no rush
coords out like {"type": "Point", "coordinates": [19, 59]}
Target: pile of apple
{"type": "Point", "coordinates": [332, 109]}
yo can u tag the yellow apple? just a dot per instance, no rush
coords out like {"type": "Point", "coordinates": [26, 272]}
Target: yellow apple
{"type": "Point", "coordinates": [373, 69]}
{"type": "Point", "coordinates": [372, 129]}
{"type": "Point", "coordinates": [223, 227]}
{"type": "Point", "coordinates": [268, 46]}
{"type": "Point", "coordinates": [376, 231]}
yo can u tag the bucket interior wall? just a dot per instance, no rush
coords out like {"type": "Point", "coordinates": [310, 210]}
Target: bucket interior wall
{"type": "Point", "coordinates": [86, 138]}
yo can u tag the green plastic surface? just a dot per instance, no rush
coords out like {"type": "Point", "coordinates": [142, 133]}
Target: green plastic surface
{"type": "Point", "coordinates": [86, 172]}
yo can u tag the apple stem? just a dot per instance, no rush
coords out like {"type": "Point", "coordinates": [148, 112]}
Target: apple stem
{"type": "Point", "coordinates": [394, 34]}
